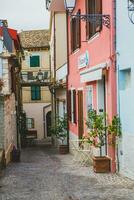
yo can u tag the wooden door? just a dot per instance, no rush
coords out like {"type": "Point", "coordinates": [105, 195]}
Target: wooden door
{"type": "Point", "coordinates": [80, 114]}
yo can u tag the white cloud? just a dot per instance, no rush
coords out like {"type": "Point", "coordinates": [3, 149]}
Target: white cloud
{"type": "Point", "coordinates": [25, 14]}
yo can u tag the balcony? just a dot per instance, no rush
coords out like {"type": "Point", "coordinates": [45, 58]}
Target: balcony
{"type": "Point", "coordinates": [41, 78]}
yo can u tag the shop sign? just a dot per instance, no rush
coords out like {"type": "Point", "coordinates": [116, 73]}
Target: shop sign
{"type": "Point", "coordinates": [83, 60]}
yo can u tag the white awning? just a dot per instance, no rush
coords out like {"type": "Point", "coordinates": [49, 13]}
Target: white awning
{"type": "Point", "coordinates": [92, 74]}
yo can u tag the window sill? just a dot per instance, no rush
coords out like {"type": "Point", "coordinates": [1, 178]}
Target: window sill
{"type": "Point", "coordinates": [35, 67]}
{"type": "Point", "coordinates": [93, 37]}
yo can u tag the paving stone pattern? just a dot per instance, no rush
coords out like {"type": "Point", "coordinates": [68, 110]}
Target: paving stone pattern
{"type": "Point", "coordinates": [43, 174]}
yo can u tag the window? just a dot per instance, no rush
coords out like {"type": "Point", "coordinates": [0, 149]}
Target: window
{"type": "Point", "coordinates": [75, 33]}
{"type": "Point", "coordinates": [125, 79]}
{"type": "Point", "coordinates": [34, 61]}
{"type": "Point", "coordinates": [30, 123]}
{"type": "Point", "coordinates": [93, 7]}
{"type": "Point", "coordinates": [35, 93]}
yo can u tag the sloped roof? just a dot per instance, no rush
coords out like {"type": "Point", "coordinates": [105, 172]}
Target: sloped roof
{"type": "Point", "coordinates": [34, 38]}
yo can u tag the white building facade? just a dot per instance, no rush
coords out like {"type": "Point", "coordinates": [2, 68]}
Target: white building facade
{"type": "Point", "coordinates": [125, 77]}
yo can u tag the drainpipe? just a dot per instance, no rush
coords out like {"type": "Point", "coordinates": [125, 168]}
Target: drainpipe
{"type": "Point", "coordinates": [54, 93]}
{"type": "Point", "coordinates": [67, 76]}
{"type": "Point", "coordinates": [117, 82]}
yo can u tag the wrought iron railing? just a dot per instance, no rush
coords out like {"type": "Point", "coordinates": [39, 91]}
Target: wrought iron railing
{"type": "Point", "coordinates": [33, 76]}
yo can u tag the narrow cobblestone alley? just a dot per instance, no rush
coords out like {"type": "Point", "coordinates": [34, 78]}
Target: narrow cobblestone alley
{"type": "Point", "coordinates": [45, 175]}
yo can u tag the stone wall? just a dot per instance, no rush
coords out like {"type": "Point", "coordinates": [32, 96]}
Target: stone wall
{"type": "Point", "coordinates": [1, 123]}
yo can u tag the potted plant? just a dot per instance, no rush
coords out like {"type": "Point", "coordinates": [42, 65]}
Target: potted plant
{"type": "Point", "coordinates": [97, 137]}
{"type": "Point", "coordinates": [114, 130]}
{"type": "Point", "coordinates": [59, 130]}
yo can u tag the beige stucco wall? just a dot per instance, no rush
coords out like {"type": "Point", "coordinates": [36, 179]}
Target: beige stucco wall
{"type": "Point", "coordinates": [35, 110]}
{"type": "Point", "coordinates": [44, 65]}
{"type": "Point", "coordinates": [45, 95]}
{"type": "Point", "coordinates": [60, 38]}
{"type": "Point", "coordinates": [44, 60]}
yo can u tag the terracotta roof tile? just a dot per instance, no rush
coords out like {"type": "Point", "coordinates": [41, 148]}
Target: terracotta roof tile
{"type": "Point", "coordinates": [34, 38]}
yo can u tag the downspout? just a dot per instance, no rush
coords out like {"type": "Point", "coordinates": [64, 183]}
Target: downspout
{"type": "Point", "coordinates": [54, 91]}
{"type": "Point", "coordinates": [67, 77]}
{"type": "Point", "coordinates": [117, 81]}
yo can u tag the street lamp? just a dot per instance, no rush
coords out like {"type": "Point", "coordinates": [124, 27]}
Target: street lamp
{"type": "Point", "coordinates": [131, 10]}
{"type": "Point", "coordinates": [92, 18]}
{"type": "Point", "coordinates": [40, 76]}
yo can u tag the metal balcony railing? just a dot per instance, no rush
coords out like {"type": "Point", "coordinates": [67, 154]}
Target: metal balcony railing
{"type": "Point", "coordinates": [29, 78]}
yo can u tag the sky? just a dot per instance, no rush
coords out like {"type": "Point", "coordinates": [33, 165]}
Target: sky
{"type": "Point", "coordinates": [25, 14]}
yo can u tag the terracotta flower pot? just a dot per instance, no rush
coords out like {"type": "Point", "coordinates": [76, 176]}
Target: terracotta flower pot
{"type": "Point", "coordinates": [101, 164]}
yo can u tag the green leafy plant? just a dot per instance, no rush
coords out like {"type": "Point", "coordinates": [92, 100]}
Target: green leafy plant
{"type": "Point", "coordinates": [115, 127]}
{"type": "Point", "coordinates": [59, 129]}
{"type": "Point", "coordinates": [96, 129]}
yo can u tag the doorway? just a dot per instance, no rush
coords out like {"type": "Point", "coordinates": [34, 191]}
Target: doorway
{"type": "Point", "coordinates": [48, 123]}
{"type": "Point", "coordinates": [101, 106]}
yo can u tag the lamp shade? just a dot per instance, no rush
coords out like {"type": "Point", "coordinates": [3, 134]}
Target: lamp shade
{"type": "Point", "coordinates": [40, 75]}
{"type": "Point", "coordinates": [70, 5]}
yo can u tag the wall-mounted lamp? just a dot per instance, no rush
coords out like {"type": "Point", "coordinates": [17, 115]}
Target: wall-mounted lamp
{"type": "Point", "coordinates": [40, 76]}
{"type": "Point", "coordinates": [131, 10]}
{"type": "Point", "coordinates": [70, 5]}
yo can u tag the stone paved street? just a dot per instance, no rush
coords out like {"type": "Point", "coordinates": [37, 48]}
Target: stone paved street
{"type": "Point", "coordinates": [45, 175]}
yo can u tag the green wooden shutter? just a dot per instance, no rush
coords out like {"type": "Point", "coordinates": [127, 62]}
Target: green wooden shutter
{"type": "Point", "coordinates": [38, 94]}
{"type": "Point", "coordinates": [35, 93]}
{"type": "Point", "coordinates": [69, 105]}
{"type": "Point", "coordinates": [34, 61]}
{"type": "Point", "coordinates": [74, 106]}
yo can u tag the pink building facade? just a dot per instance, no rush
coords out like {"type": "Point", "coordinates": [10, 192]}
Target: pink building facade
{"type": "Point", "coordinates": [91, 73]}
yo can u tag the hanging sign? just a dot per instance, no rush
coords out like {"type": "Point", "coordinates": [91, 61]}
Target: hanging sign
{"type": "Point", "coordinates": [83, 60]}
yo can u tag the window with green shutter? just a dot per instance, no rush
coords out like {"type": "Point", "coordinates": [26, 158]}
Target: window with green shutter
{"type": "Point", "coordinates": [34, 61]}
{"type": "Point", "coordinates": [35, 93]}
